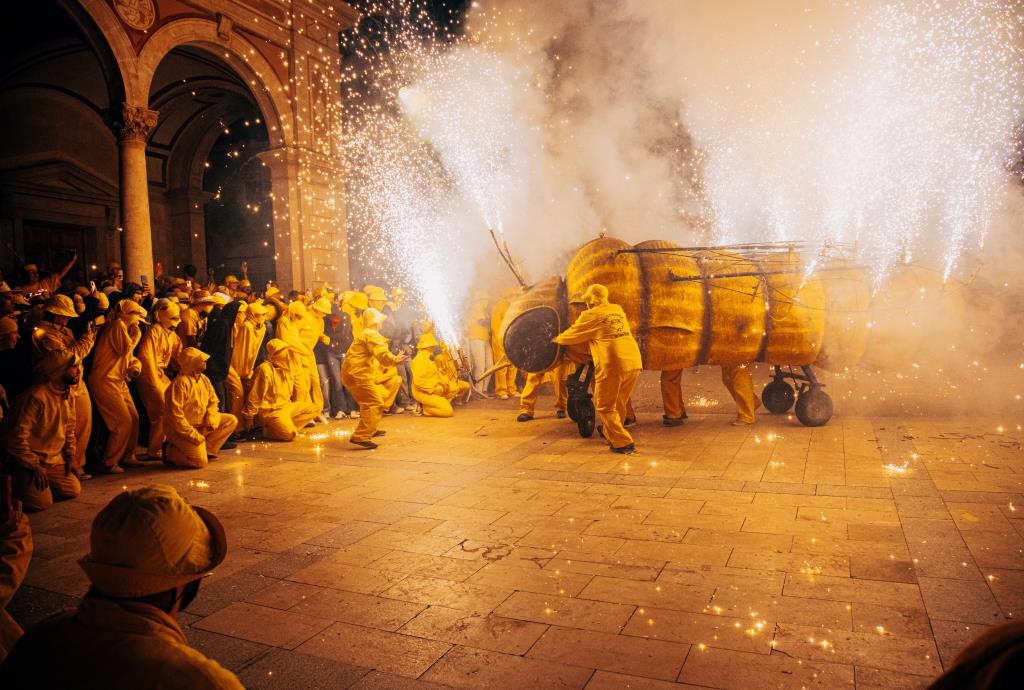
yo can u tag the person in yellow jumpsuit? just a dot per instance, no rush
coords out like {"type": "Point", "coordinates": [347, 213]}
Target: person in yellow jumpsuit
{"type": "Point", "coordinates": [368, 349]}
{"type": "Point", "coordinates": [288, 329]}
{"type": "Point", "coordinates": [311, 332]}
{"type": "Point", "coordinates": [271, 403]}
{"type": "Point", "coordinates": [504, 379]}
{"type": "Point", "coordinates": [158, 350]}
{"type": "Point", "coordinates": [672, 397]}
{"type": "Point", "coordinates": [15, 554]}
{"type": "Point", "coordinates": [193, 318]}
{"type": "Point", "coordinates": [480, 343]}
{"type": "Point", "coordinates": [196, 429]}
{"type": "Point", "coordinates": [247, 338]}
{"type": "Point", "coordinates": [354, 304]}
{"type": "Point", "coordinates": [51, 334]}
{"type": "Point", "coordinates": [432, 388]}
{"type": "Point", "coordinates": [740, 384]}
{"type": "Point", "coordinates": [113, 364]}
{"type": "Point", "coordinates": [617, 362]}
{"type": "Point", "coordinates": [149, 551]}
{"type": "Point", "coordinates": [38, 436]}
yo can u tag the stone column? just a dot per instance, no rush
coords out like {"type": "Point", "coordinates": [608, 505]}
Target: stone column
{"type": "Point", "coordinates": [134, 130]}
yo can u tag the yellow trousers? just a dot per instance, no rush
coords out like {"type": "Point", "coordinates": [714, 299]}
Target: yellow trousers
{"type": "Point", "coordinates": [283, 424]}
{"type": "Point", "coordinates": [83, 423]}
{"type": "Point", "coordinates": [62, 486]}
{"type": "Point", "coordinates": [740, 383]}
{"type": "Point", "coordinates": [612, 390]}
{"type": "Point", "coordinates": [122, 419]}
{"type": "Point", "coordinates": [316, 393]}
{"type": "Point", "coordinates": [672, 394]}
{"type": "Point", "coordinates": [153, 401]}
{"type": "Point", "coordinates": [373, 399]}
{"type": "Point", "coordinates": [531, 390]}
{"type": "Point", "coordinates": [505, 379]}
{"type": "Point", "coordinates": [440, 405]}
{"type": "Point", "coordinates": [234, 391]}
{"type": "Point", "coordinates": [184, 453]}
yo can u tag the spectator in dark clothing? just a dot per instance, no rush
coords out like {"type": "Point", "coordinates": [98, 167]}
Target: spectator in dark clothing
{"type": "Point", "coordinates": [219, 345]}
{"type": "Point", "coordinates": [338, 402]}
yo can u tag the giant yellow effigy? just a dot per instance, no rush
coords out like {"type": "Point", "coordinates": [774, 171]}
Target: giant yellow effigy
{"type": "Point", "coordinates": [776, 303]}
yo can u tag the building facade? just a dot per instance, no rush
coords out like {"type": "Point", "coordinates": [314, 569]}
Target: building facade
{"type": "Point", "coordinates": [174, 132]}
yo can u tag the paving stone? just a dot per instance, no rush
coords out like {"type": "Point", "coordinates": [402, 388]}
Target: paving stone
{"type": "Point", "coordinates": [490, 632]}
{"type": "Point", "coordinates": [565, 611]}
{"type": "Point", "coordinates": [891, 652]}
{"type": "Point", "coordinates": [281, 669]}
{"type": "Point", "coordinates": [733, 670]}
{"type": "Point", "coordinates": [465, 667]}
{"type": "Point", "coordinates": [262, 624]}
{"type": "Point", "coordinates": [960, 600]}
{"type": "Point", "coordinates": [390, 652]}
{"type": "Point", "coordinates": [358, 609]}
{"type": "Point", "coordinates": [635, 656]}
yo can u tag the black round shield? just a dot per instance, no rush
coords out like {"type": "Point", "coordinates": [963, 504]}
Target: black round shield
{"type": "Point", "coordinates": [528, 340]}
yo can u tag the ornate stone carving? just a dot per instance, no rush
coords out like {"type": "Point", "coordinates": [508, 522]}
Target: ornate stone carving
{"type": "Point", "coordinates": [138, 14]}
{"type": "Point", "coordinates": [224, 25]}
{"type": "Point", "coordinates": [137, 124]}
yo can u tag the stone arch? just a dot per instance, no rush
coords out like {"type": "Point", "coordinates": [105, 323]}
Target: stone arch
{"type": "Point", "coordinates": [252, 67]}
{"type": "Point", "coordinates": [115, 42]}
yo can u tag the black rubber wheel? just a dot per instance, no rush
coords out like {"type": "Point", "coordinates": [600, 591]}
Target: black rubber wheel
{"type": "Point", "coordinates": [586, 417]}
{"type": "Point", "coordinates": [778, 396]}
{"type": "Point", "coordinates": [814, 407]}
{"type": "Point", "coordinates": [570, 408]}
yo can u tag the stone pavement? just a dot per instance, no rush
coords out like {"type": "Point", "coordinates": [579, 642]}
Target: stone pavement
{"type": "Point", "coordinates": [481, 553]}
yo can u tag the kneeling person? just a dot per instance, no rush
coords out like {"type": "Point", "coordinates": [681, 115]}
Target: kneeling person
{"type": "Point", "coordinates": [39, 436]}
{"type": "Point", "coordinates": [270, 402]}
{"type": "Point", "coordinates": [196, 429]}
{"type": "Point", "coordinates": [430, 387]}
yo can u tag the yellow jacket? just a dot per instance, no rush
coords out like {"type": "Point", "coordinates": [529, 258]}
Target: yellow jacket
{"type": "Point", "coordinates": [48, 336]}
{"type": "Point", "coordinates": [272, 383]}
{"type": "Point", "coordinates": [151, 651]}
{"type": "Point", "coordinates": [190, 402]}
{"type": "Point", "coordinates": [248, 336]}
{"type": "Point", "coordinates": [427, 379]}
{"type": "Point", "coordinates": [310, 330]}
{"type": "Point", "coordinates": [113, 357]}
{"type": "Point", "coordinates": [606, 329]}
{"type": "Point", "coordinates": [41, 427]}
{"type": "Point", "coordinates": [289, 326]}
{"type": "Point", "coordinates": [365, 358]}
{"type": "Point", "coordinates": [189, 325]}
{"type": "Point", "coordinates": [159, 347]}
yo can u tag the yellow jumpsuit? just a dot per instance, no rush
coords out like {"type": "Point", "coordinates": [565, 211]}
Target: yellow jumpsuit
{"type": "Point", "coordinates": [196, 429]}
{"type": "Point", "coordinates": [15, 554]}
{"type": "Point", "coordinates": [270, 403]}
{"type": "Point", "coordinates": [358, 375]}
{"type": "Point", "coordinates": [311, 329]}
{"type": "Point", "coordinates": [40, 432]}
{"type": "Point", "coordinates": [159, 347]}
{"type": "Point", "coordinates": [188, 329]}
{"type": "Point", "coordinates": [247, 337]}
{"type": "Point", "coordinates": [531, 390]}
{"type": "Point", "coordinates": [110, 645]}
{"type": "Point", "coordinates": [432, 388]}
{"type": "Point", "coordinates": [49, 336]}
{"type": "Point", "coordinates": [504, 379]}
{"type": "Point", "coordinates": [108, 382]}
{"type": "Point", "coordinates": [303, 362]}
{"type": "Point", "coordinates": [617, 364]}
{"type": "Point", "coordinates": [740, 384]}
{"type": "Point", "coordinates": [672, 394]}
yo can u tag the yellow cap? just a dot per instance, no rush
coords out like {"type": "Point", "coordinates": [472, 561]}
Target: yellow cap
{"type": "Point", "coordinates": [376, 294]}
{"type": "Point", "coordinates": [323, 306]}
{"type": "Point", "coordinates": [372, 316]}
{"type": "Point", "coordinates": [427, 342]}
{"type": "Point", "coordinates": [150, 540]}
{"type": "Point", "coordinates": [231, 279]}
{"type": "Point", "coordinates": [61, 305]}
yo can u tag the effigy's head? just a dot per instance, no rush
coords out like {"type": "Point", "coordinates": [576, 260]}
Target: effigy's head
{"type": "Point", "coordinates": [532, 320]}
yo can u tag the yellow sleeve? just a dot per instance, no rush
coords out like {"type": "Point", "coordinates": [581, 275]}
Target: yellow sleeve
{"type": "Point", "coordinates": [584, 330]}
{"type": "Point", "coordinates": [177, 397]}
{"type": "Point", "coordinates": [147, 358]}
{"type": "Point", "coordinates": [256, 393]}
{"type": "Point", "coordinates": [19, 438]}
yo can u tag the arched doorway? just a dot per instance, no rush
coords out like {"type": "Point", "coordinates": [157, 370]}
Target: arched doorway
{"type": "Point", "coordinates": [60, 92]}
{"type": "Point", "coordinates": [210, 200]}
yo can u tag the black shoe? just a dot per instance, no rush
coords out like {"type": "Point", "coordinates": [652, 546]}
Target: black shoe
{"type": "Point", "coordinates": [671, 421]}
{"type": "Point", "coordinates": [229, 445]}
{"type": "Point", "coordinates": [378, 434]}
{"type": "Point", "coordinates": [368, 445]}
{"type": "Point", "coordinates": [560, 414]}
{"type": "Point", "coordinates": [237, 436]}
{"type": "Point", "coordinates": [524, 418]}
{"type": "Point", "coordinates": [629, 421]}
{"type": "Point", "coordinates": [625, 450]}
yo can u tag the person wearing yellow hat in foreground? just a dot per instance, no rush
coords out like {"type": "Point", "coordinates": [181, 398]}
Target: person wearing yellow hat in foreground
{"type": "Point", "coordinates": [617, 362]}
{"type": "Point", "coordinates": [149, 550]}
{"type": "Point", "coordinates": [369, 350]}
{"type": "Point", "coordinates": [53, 333]}
{"type": "Point", "coordinates": [196, 429]}
{"type": "Point", "coordinates": [432, 389]}
{"type": "Point", "coordinates": [113, 365]}
{"type": "Point", "coordinates": [159, 348]}
{"type": "Point", "coordinates": [39, 434]}
{"type": "Point", "coordinates": [270, 403]}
